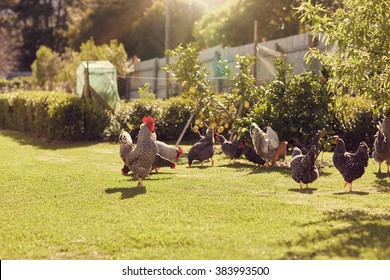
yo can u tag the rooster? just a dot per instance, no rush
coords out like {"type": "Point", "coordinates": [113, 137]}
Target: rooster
{"type": "Point", "coordinates": [140, 159]}
{"type": "Point", "coordinates": [267, 145]}
{"type": "Point", "coordinates": [233, 149]}
{"type": "Point", "coordinates": [203, 149]}
{"type": "Point", "coordinates": [303, 167]}
{"type": "Point", "coordinates": [350, 165]}
{"type": "Point", "coordinates": [381, 151]}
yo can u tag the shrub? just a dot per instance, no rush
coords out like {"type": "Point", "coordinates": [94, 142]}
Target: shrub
{"type": "Point", "coordinates": [57, 116]}
{"type": "Point", "coordinates": [355, 121]}
{"type": "Point", "coordinates": [170, 116]}
{"type": "Point", "coordinates": [297, 107]}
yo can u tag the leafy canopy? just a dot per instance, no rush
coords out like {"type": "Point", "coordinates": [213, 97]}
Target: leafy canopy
{"type": "Point", "coordinates": [360, 29]}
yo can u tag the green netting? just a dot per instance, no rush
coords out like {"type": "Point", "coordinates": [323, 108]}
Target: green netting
{"type": "Point", "coordinates": [102, 78]}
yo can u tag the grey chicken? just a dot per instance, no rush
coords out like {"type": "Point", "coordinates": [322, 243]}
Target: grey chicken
{"type": "Point", "coordinates": [381, 151]}
{"type": "Point", "coordinates": [125, 148]}
{"type": "Point", "coordinates": [267, 145]}
{"type": "Point", "coordinates": [203, 149]}
{"type": "Point", "coordinates": [232, 149]}
{"type": "Point", "coordinates": [350, 165]}
{"type": "Point", "coordinates": [303, 167]}
{"type": "Point", "coordinates": [161, 161]}
{"type": "Point", "coordinates": [140, 160]}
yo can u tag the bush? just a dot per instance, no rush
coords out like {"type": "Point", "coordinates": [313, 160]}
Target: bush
{"type": "Point", "coordinates": [170, 116]}
{"type": "Point", "coordinates": [296, 106]}
{"type": "Point", "coordinates": [57, 116]}
{"type": "Point", "coordinates": [355, 121]}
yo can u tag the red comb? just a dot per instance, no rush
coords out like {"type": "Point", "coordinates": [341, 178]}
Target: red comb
{"type": "Point", "coordinates": [147, 119]}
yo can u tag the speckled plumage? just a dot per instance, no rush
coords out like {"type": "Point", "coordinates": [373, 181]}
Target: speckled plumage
{"type": "Point", "coordinates": [381, 151]}
{"type": "Point", "coordinates": [265, 144]}
{"type": "Point", "coordinates": [350, 165]}
{"type": "Point", "coordinates": [140, 160]}
{"type": "Point", "coordinates": [303, 167]}
{"type": "Point", "coordinates": [232, 149]}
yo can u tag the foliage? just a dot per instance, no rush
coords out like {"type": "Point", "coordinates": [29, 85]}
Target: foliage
{"type": "Point", "coordinates": [356, 121]}
{"type": "Point", "coordinates": [295, 106]}
{"type": "Point", "coordinates": [170, 116]}
{"type": "Point", "coordinates": [360, 29]}
{"type": "Point", "coordinates": [143, 92]}
{"type": "Point", "coordinates": [45, 67]}
{"type": "Point", "coordinates": [56, 116]}
{"type": "Point", "coordinates": [52, 70]}
{"type": "Point", "coordinates": [188, 70]}
{"type": "Point", "coordinates": [232, 24]}
{"type": "Point", "coordinates": [186, 213]}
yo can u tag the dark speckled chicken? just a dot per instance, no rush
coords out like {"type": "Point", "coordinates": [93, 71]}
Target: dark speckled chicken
{"type": "Point", "coordinates": [304, 170]}
{"type": "Point", "coordinates": [232, 149]}
{"type": "Point", "coordinates": [203, 149]}
{"type": "Point", "coordinates": [350, 165]}
{"type": "Point", "coordinates": [251, 155]}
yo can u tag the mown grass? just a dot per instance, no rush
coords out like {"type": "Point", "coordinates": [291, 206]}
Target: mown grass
{"type": "Point", "coordinates": [69, 201]}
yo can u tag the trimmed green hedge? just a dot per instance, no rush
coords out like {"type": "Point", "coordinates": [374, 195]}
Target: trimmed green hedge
{"type": "Point", "coordinates": [55, 115]}
{"type": "Point", "coordinates": [170, 116]}
{"type": "Point", "coordinates": [61, 116]}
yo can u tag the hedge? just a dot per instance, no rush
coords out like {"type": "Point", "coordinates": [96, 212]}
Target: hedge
{"type": "Point", "coordinates": [61, 116]}
{"type": "Point", "coordinates": [54, 115]}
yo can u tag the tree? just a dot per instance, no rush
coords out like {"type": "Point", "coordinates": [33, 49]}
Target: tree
{"type": "Point", "coordinates": [232, 23]}
{"type": "Point", "coordinates": [105, 21]}
{"type": "Point", "coordinates": [9, 39]}
{"type": "Point", "coordinates": [360, 29]}
{"type": "Point", "coordinates": [149, 31]}
{"type": "Point", "coordinates": [41, 22]}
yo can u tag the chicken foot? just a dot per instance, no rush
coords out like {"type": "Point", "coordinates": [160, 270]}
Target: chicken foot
{"type": "Point", "coordinates": [350, 186]}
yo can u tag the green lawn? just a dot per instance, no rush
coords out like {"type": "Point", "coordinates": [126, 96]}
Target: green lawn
{"type": "Point", "coordinates": [70, 201]}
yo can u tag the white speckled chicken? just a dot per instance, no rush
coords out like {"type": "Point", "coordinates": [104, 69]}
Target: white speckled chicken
{"type": "Point", "coordinates": [304, 170]}
{"type": "Point", "coordinates": [267, 144]}
{"type": "Point", "coordinates": [203, 149]}
{"type": "Point", "coordinates": [350, 165]}
{"type": "Point", "coordinates": [381, 151]}
{"type": "Point", "coordinates": [140, 159]}
{"type": "Point", "coordinates": [125, 148]}
{"type": "Point", "coordinates": [170, 152]}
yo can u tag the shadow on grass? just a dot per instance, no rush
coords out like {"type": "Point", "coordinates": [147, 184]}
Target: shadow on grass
{"type": "Point", "coordinates": [345, 234]}
{"type": "Point", "coordinates": [382, 183]}
{"type": "Point", "coordinates": [31, 140]}
{"type": "Point", "coordinates": [127, 192]}
{"type": "Point", "coordinates": [351, 193]}
{"type": "Point", "coordinates": [304, 190]}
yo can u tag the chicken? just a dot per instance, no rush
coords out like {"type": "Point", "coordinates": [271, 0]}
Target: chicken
{"type": "Point", "coordinates": [267, 145]}
{"type": "Point", "coordinates": [125, 148]}
{"type": "Point", "coordinates": [203, 149]}
{"type": "Point", "coordinates": [251, 155]}
{"type": "Point", "coordinates": [314, 141]}
{"type": "Point", "coordinates": [303, 167]}
{"type": "Point", "coordinates": [233, 149]}
{"type": "Point", "coordinates": [140, 160]}
{"type": "Point", "coordinates": [169, 152]}
{"type": "Point", "coordinates": [350, 165]}
{"type": "Point", "coordinates": [161, 161]}
{"type": "Point", "coordinates": [381, 151]}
